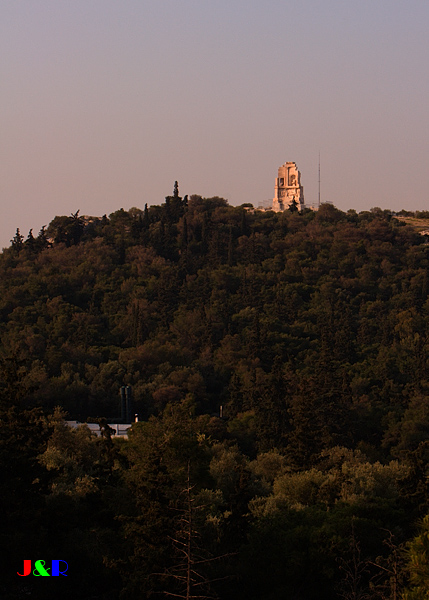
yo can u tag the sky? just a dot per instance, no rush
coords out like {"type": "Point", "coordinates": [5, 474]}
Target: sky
{"type": "Point", "coordinates": [105, 103]}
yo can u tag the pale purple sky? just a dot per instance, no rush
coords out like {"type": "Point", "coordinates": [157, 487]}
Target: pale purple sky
{"type": "Point", "coordinates": [105, 103]}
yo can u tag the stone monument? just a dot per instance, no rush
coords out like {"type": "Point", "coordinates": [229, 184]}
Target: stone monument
{"type": "Point", "coordinates": [288, 189]}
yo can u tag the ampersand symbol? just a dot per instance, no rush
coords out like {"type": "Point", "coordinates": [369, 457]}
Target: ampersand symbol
{"type": "Point", "coordinates": [40, 568]}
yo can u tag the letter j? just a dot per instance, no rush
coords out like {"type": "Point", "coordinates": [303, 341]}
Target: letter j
{"type": "Point", "coordinates": [27, 569]}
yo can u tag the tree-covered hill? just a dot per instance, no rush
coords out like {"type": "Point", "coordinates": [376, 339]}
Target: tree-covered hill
{"type": "Point", "coordinates": [309, 329]}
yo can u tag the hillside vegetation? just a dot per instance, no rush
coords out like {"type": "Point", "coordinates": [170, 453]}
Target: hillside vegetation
{"type": "Point", "coordinates": [307, 332]}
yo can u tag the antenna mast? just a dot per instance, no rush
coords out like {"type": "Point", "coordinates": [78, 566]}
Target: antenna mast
{"type": "Point", "coordinates": [319, 178]}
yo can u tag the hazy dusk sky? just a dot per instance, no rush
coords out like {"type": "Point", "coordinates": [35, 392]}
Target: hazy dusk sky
{"type": "Point", "coordinates": [105, 103]}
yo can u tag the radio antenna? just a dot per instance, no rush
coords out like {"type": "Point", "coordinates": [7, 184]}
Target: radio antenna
{"type": "Point", "coordinates": [319, 178]}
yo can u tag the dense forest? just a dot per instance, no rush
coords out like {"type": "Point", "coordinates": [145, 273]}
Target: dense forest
{"type": "Point", "coordinates": [278, 364]}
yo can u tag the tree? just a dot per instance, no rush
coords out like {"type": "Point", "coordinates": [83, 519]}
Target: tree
{"type": "Point", "coordinates": [42, 240]}
{"type": "Point", "coordinates": [190, 573]}
{"type": "Point", "coordinates": [354, 570]}
{"type": "Point", "coordinates": [174, 205]}
{"type": "Point", "coordinates": [164, 454]}
{"type": "Point", "coordinates": [388, 582]}
{"type": "Point", "coordinates": [418, 564]}
{"type": "Point", "coordinates": [30, 241]}
{"type": "Point", "coordinates": [77, 227]}
{"type": "Point", "coordinates": [17, 241]}
{"type": "Point", "coordinates": [293, 206]}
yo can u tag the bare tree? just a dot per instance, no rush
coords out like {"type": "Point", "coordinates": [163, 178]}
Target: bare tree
{"type": "Point", "coordinates": [352, 586]}
{"type": "Point", "coordinates": [387, 583]}
{"type": "Point", "coordinates": [190, 573]}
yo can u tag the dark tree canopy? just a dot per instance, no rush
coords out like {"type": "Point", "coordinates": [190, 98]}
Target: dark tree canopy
{"type": "Point", "coordinates": [278, 365]}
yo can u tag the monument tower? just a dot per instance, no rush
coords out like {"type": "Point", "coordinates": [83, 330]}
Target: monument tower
{"type": "Point", "coordinates": [288, 188]}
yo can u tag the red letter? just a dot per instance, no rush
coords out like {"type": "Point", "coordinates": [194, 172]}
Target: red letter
{"type": "Point", "coordinates": [27, 568]}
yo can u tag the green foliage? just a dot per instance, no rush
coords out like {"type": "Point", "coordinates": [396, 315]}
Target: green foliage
{"type": "Point", "coordinates": [418, 564]}
{"type": "Point", "coordinates": [308, 328]}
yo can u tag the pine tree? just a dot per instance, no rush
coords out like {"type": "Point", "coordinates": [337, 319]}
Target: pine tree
{"type": "Point", "coordinates": [30, 242]}
{"type": "Point", "coordinates": [17, 241]}
{"type": "Point", "coordinates": [42, 239]}
{"type": "Point", "coordinates": [418, 564]}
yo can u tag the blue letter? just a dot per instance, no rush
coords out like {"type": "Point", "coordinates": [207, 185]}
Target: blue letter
{"type": "Point", "coordinates": [56, 568]}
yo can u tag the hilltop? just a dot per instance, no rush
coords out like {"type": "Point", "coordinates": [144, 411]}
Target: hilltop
{"type": "Point", "coordinates": [309, 329]}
